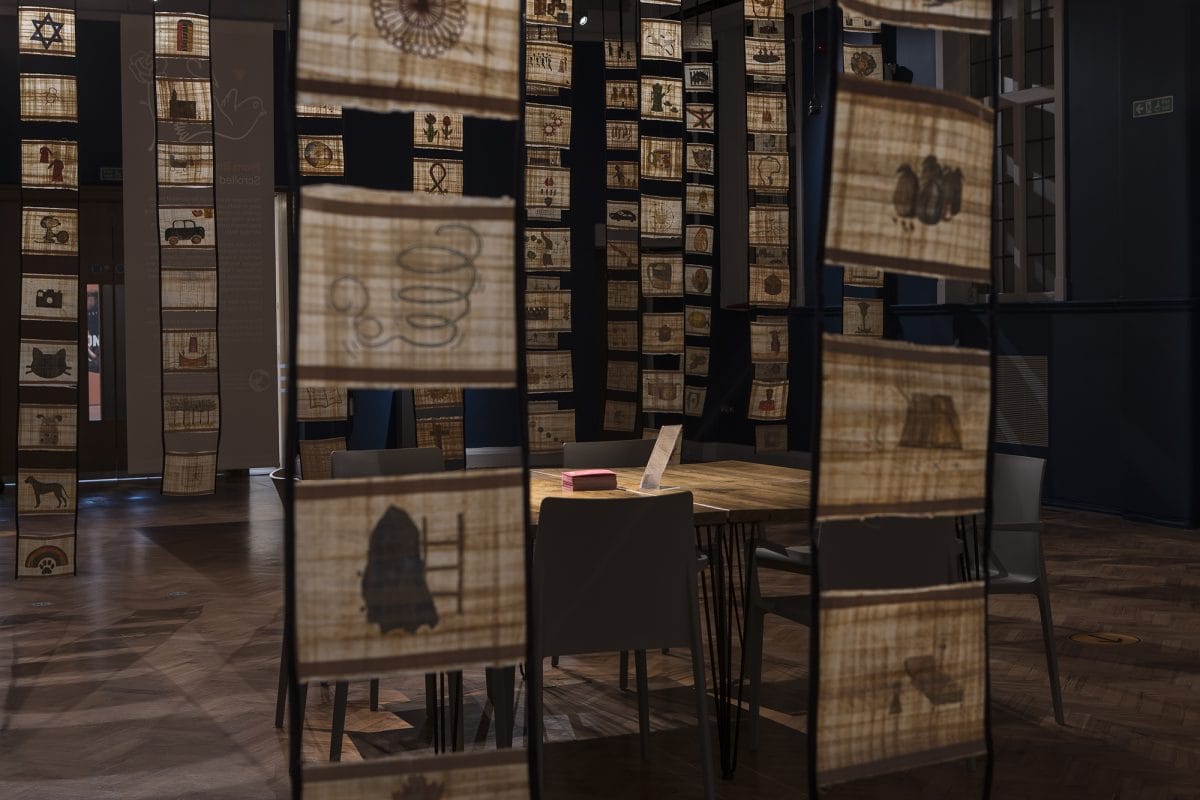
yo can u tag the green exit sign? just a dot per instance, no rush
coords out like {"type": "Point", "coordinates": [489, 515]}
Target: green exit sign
{"type": "Point", "coordinates": [1154, 106]}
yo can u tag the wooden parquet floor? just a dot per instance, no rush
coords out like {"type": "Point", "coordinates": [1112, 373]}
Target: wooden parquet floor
{"type": "Point", "coordinates": [152, 675]}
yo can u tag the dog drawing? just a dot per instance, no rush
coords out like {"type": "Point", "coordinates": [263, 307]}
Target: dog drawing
{"type": "Point", "coordinates": [39, 489]}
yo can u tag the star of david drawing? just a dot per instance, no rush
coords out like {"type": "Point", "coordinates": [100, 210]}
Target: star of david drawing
{"type": "Point", "coordinates": [39, 31]}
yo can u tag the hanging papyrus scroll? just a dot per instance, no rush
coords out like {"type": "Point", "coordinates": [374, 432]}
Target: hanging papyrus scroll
{"type": "Point", "coordinates": [49, 302]}
{"type": "Point", "coordinates": [968, 16]}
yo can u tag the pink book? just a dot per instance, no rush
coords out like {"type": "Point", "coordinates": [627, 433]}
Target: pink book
{"type": "Point", "coordinates": [583, 480]}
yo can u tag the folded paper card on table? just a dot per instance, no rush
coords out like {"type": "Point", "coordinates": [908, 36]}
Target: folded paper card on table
{"type": "Point", "coordinates": [589, 480]}
{"type": "Point", "coordinates": [660, 457]}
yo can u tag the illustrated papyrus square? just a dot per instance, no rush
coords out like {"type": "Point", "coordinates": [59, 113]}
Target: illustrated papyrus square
{"type": "Point", "coordinates": [862, 316]}
{"type": "Point", "coordinates": [697, 321]}
{"type": "Point", "coordinates": [548, 12]}
{"type": "Point", "coordinates": [623, 335]}
{"type": "Point", "coordinates": [537, 283]}
{"type": "Point", "coordinates": [548, 310]}
{"type": "Point", "coordinates": [698, 77]}
{"type": "Point", "coordinates": [660, 40]}
{"type": "Point", "coordinates": [863, 60]}
{"type": "Point", "coordinates": [662, 98]}
{"type": "Point", "coordinates": [662, 333]}
{"type": "Point", "coordinates": [662, 217]}
{"type": "Point", "coordinates": [47, 427]}
{"type": "Point", "coordinates": [699, 239]}
{"type": "Point", "coordinates": [621, 95]}
{"type": "Point", "coordinates": [620, 53]}
{"type": "Point", "coordinates": [766, 59]}
{"type": "Point", "coordinates": [911, 187]}
{"type": "Point", "coordinates": [701, 199]}
{"type": "Point", "coordinates": [903, 679]}
{"type": "Point", "coordinates": [662, 275]}
{"type": "Point", "coordinates": [49, 297]}
{"type": "Point", "coordinates": [620, 416]}
{"type": "Point", "coordinates": [49, 363]}
{"type": "Point", "coordinates": [621, 255]}
{"type": "Point", "coordinates": [499, 775]}
{"type": "Point", "coordinates": [409, 573]}
{"type": "Point", "coordinates": [318, 110]}
{"type": "Point", "coordinates": [697, 37]}
{"type": "Point", "coordinates": [446, 434]}
{"type": "Point", "coordinates": [321, 155]}
{"type": "Point", "coordinates": [662, 391]}
{"type": "Point", "coordinates": [437, 397]}
{"type": "Point", "coordinates": [400, 288]}
{"type": "Point", "coordinates": [42, 30]}
{"type": "Point", "coordinates": [317, 403]}
{"type": "Point", "coordinates": [548, 125]}
{"type": "Point", "coordinates": [621, 215]}
{"type": "Point", "coordinates": [459, 56]}
{"type": "Point", "coordinates": [904, 429]}
{"type": "Point", "coordinates": [187, 164]}
{"type": "Point", "coordinates": [187, 227]}
{"type": "Point", "coordinates": [622, 295]}
{"type": "Point", "coordinates": [768, 172]}
{"type": "Point", "coordinates": [548, 64]}
{"type": "Point", "coordinates": [548, 188]}
{"type": "Point", "coordinates": [968, 16]}
{"type": "Point", "coordinates": [549, 372]}
{"type": "Point", "coordinates": [549, 430]}
{"type": "Point", "coordinates": [192, 412]}
{"type": "Point", "coordinates": [621, 175]}
{"type": "Point", "coordinates": [769, 340]}
{"type": "Point", "coordinates": [662, 158]}
{"type": "Point", "coordinates": [762, 9]}
{"type": "Point", "coordinates": [766, 112]}
{"type": "Point", "coordinates": [768, 400]}
{"type": "Point", "coordinates": [437, 176]}
{"type": "Point", "coordinates": [49, 164]}
{"type": "Point", "coordinates": [693, 400]}
{"type": "Point", "coordinates": [51, 98]}
{"type": "Point", "coordinates": [541, 340]}
{"type": "Point", "coordinates": [55, 555]}
{"type": "Point", "coordinates": [544, 157]}
{"type": "Point", "coordinates": [50, 231]}
{"type": "Point", "coordinates": [184, 99]}
{"type": "Point", "coordinates": [45, 491]}
{"type": "Point", "coordinates": [189, 289]}
{"type": "Point", "coordinates": [622, 376]}
{"type": "Point", "coordinates": [700, 117]}
{"type": "Point", "coordinates": [619, 135]}
{"type": "Point", "coordinates": [186, 474]}
{"type": "Point", "coordinates": [853, 23]}
{"type": "Point", "coordinates": [189, 350]}
{"type": "Point", "coordinates": [695, 362]}
{"type": "Point", "coordinates": [548, 249]}
{"type": "Point", "coordinates": [438, 130]}
{"type": "Point", "coordinates": [700, 158]}
{"type": "Point", "coordinates": [770, 438]}
{"type": "Point", "coordinates": [769, 226]}
{"type": "Point", "coordinates": [770, 286]}
{"type": "Point", "coordinates": [871, 277]}
{"type": "Point", "coordinates": [184, 35]}
{"type": "Point", "coordinates": [698, 280]}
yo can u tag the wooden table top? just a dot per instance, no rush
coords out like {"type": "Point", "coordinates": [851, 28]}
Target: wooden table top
{"type": "Point", "coordinates": [723, 491]}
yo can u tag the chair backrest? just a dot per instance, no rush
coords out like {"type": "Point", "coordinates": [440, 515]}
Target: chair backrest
{"type": "Point", "coordinates": [480, 457]}
{"type": "Point", "coordinates": [888, 553]}
{"type": "Point", "coordinates": [619, 453]}
{"type": "Point", "coordinates": [279, 481]}
{"type": "Point", "coordinates": [1017, 488]}
{"type": "Point", "coordinates": [374, 463]}
{"type": "Point", "coordinates": [614, 574]}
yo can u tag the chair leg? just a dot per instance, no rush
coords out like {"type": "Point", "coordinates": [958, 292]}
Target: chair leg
{"type": "Point", "coordinates": [623, 670]}
{"type": "Point", "coordinates": [340, 693]}
{"type": "Point", "coordinates": [643, 693]}
{"type": "Point", "coordinates": [554, 661]}
{"type": "Point", "coordinates": [754, 660]}
{"type": "Point", "coordinates": [706, 755]}
{"type": "Point", "coordinates": [299, 710]}
{"type": "Point", "coordinates": [282, 690]}
{"type": "Point", "coordinates": [502, 705]}
{"type": "Point", "coordinates": [431, 706]}
{"type": "Point", "coordinates": [1043, 596]}
{"type": "Point", "coordinates": [457, 737]}
{"type": "Point", "coordinates": [375, 694]}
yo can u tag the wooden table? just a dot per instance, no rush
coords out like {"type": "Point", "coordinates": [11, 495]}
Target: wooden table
{"type": "Point", "coordinates": [732, 500]}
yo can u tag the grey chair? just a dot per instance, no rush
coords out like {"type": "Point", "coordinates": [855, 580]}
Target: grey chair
{"type": "Point", "coordinates": [617, 453]}
{"type": "Point", "coordinates": [618, 574]}
{"type": "Point", "coordinates": [494, 457]}
{"type": "Point", "coordinates": [1016, 564]}
{"type": "Point", "coordinates": [887, 553]}
{"type": "Point", "coordinates": [374, 463]}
